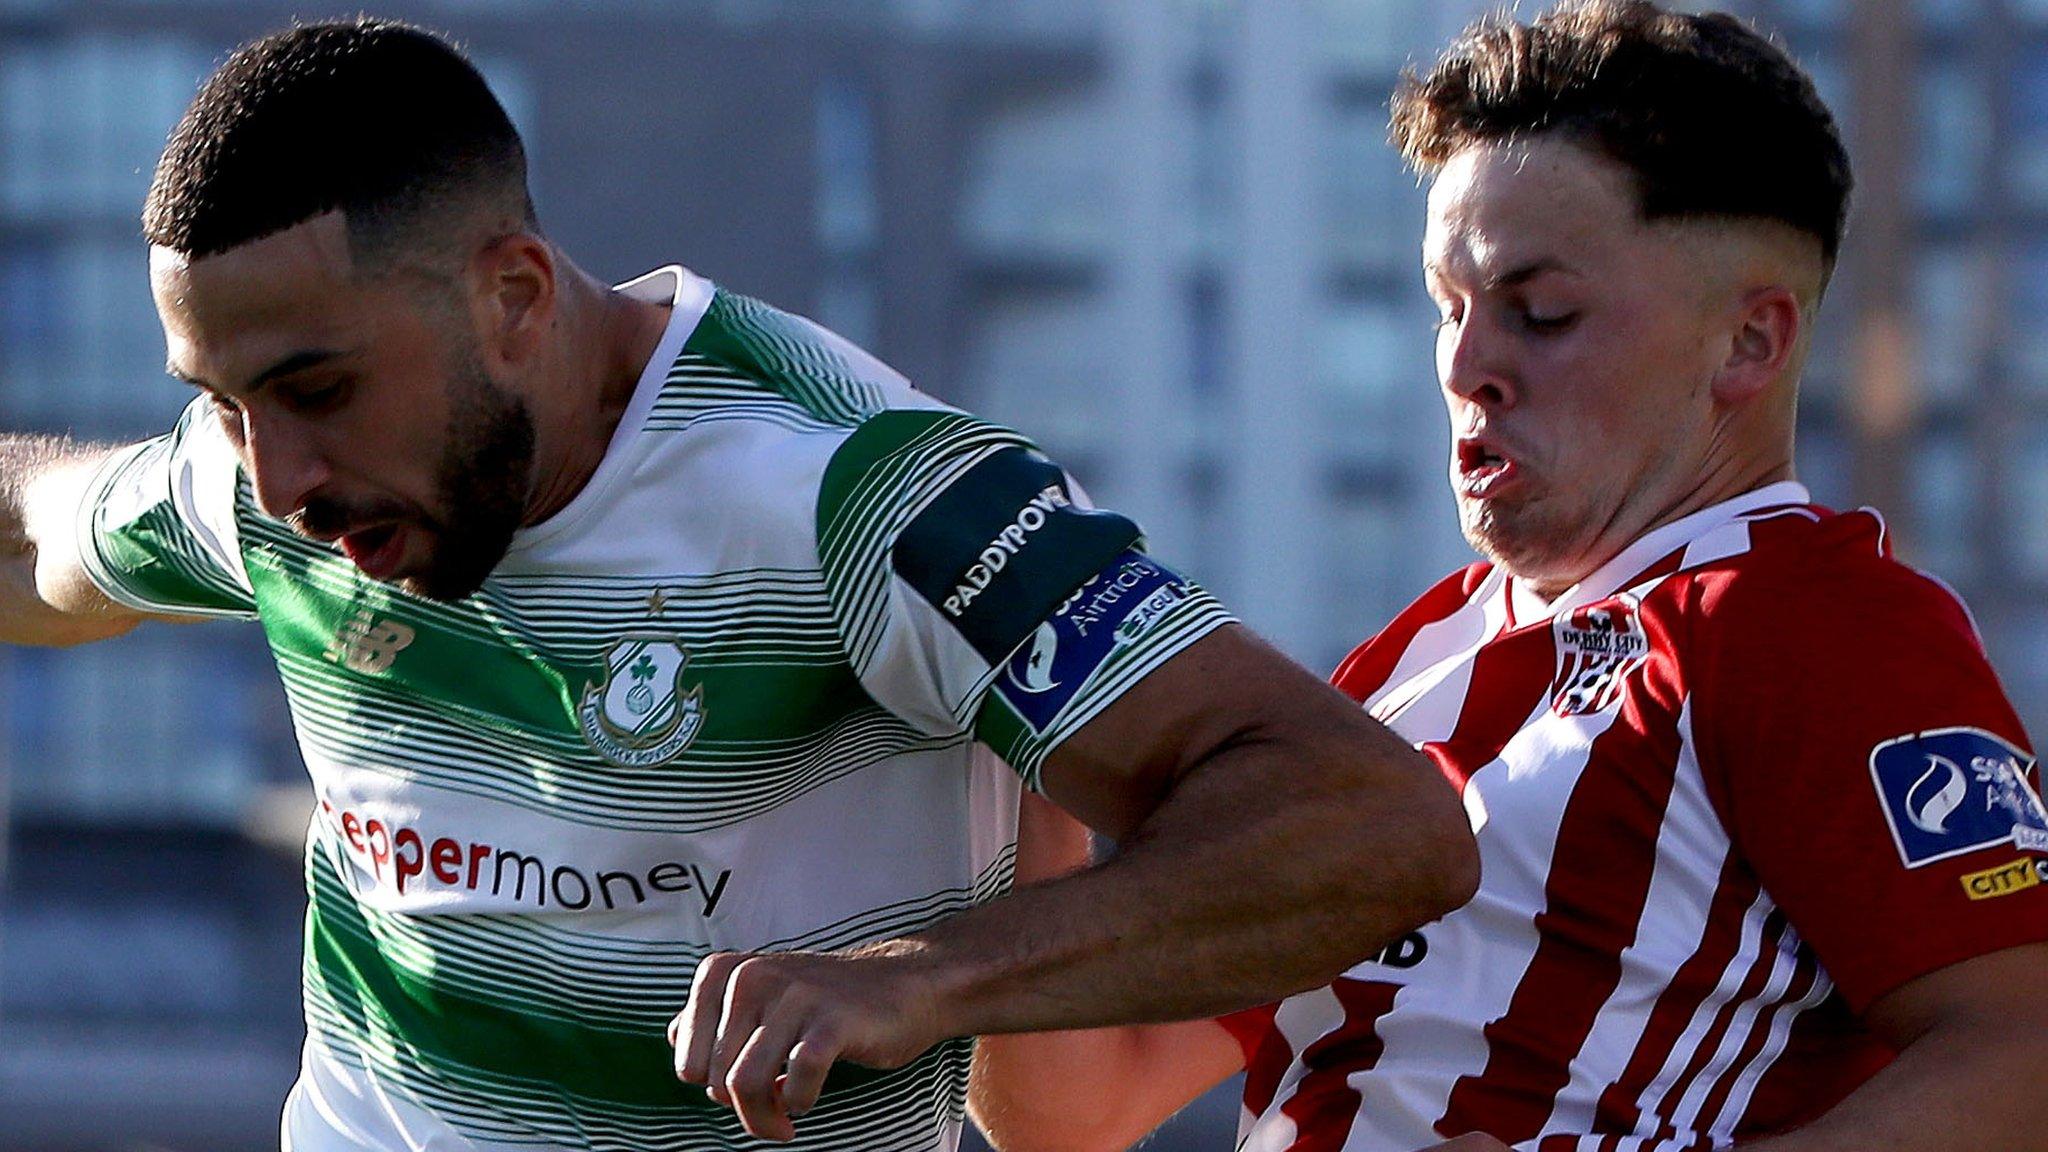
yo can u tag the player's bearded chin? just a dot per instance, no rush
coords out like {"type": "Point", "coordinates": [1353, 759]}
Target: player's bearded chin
{"type": "Point", "coordinates": [486, 472]}
{"type": "Point", "coordinates": [483, 478]}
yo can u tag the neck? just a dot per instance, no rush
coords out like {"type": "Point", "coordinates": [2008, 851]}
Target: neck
{"type": "Point", "coordinates": [605, 341]}
{"type": "Point", "coordinates": [1723, 481]}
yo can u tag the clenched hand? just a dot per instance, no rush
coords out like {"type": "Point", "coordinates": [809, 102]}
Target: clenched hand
{"type": "Point", "coordinates": [761, 1030]}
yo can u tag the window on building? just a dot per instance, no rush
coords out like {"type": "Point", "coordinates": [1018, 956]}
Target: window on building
{"type": "Point", "coordinates": [1373, 368]}
{"type": "Point", "coordinates": [846, 215]}
{"type": "Point", "coordinates": [1949, 308]}
{"type": "Point", "coordinates": [1375, 40]}
{"type": "Point", "coordinates": [1946, 486]}
{"type": "Point", "coordinates": [1826, 463]}
{"type": "Point", "coordinates": [82, 121]}
{"type": "Point", "coordinates": [2027, 152]}
{"type": "Point", "coordinates": [166, 726]}
{"type": "Point", "coordinates": [1034, 185]}
{"type": "Point", "coordinates": [1373, 206]}
{"type": "Point", "coordinates": [2029, 512]}
{"type": "Point", "coordinates": [85, 353]}
{"type": "Point", "coordinates": [1948, 15]}
{"type": "Point", "coordinates": [1954, 113]}
{"type": "Point", "coordinates": [2027, 348]}
{"type": "Point", "coordinates": [1034, 365]}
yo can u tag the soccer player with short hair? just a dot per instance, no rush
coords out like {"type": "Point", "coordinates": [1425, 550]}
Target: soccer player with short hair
{"type": "Point", "coordinates": [1762, 844]}
{"type": "Point", "coordinates": [656, 656]}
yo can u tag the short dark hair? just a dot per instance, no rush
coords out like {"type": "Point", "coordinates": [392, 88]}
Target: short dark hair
{"type": "Point", "coordinates": [1712, 119]}
{"type": "Point", "coordinates": [377, 119]}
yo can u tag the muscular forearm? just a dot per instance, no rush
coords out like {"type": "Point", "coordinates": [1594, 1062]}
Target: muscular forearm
{"type": "Point", "coordinates": [1270, 868]}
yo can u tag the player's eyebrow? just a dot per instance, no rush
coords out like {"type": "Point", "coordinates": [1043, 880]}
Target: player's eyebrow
{"type": "Point", "coordinates": [296, 362]}
{"type": "Point", "coordinates": [1523, 273]}
{"type": "Point", "coordinates": [1512, 278]}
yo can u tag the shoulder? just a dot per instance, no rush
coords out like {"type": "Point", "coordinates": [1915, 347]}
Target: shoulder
{"type": "Point", "coordinates": [1818, 639]}
{"type": "Point", "coordinates": [1811, 572]}
{"type": "Point", "coordinates": [796, 360]}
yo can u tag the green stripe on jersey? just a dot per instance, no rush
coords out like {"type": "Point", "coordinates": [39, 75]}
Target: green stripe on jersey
{"type": "Point", "coordinates": [786, 353]}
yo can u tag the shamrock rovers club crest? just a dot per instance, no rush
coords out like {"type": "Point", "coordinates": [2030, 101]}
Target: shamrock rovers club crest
{"type": "Point", "coordinates": [637, 717]}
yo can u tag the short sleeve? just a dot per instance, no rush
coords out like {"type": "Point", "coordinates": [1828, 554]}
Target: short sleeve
{"type": "Point", "coordinates": [1872, 773]}
{"type": "Point", "coordinates": [159, 529]}
{"type": "Point", "coordinates": [977, 591]}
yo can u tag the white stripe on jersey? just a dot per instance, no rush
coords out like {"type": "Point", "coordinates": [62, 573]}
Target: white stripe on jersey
{"type": "Point", "coordinates": [1742, 1023]}
{"type": "Point", "coordinates": [1747, 953]}
{"type": "Point", "coordinates": [1685, 880]}
{"type": "Point", "coordinates": [1782, 1018]}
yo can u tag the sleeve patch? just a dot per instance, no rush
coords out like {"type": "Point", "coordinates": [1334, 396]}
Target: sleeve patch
{"type": "Point", "coordinates": [1114, 608]}
{"type": "Point", "coordinates": [998, 549]}
{"type": "Point", "coordinates": [1950, 791]}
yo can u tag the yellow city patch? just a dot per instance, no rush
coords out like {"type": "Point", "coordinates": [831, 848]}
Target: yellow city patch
{"type": "Point", "coordinates": [2005, 879]}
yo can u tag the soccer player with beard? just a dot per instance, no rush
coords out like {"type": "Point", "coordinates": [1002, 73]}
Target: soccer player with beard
{"type": "Point", "coordinates": [668, 670]}
{"type": "Point", "coordinates": [1763, 849]}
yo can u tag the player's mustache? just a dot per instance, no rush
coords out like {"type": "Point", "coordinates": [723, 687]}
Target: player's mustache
{"type": "Point", "coordinates": [327, 517]}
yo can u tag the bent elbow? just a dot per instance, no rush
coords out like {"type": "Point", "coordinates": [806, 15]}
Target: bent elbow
{"type": "Point", "coordinates": [1456, 870]}
{"type": "Point", "coordinates": [1443, 855]}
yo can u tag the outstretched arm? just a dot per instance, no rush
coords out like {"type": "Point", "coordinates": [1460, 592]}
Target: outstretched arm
{"type": "Point", "coordinates": [45, 596]}
{"type": "Point", "coordinates": [1271, 836]}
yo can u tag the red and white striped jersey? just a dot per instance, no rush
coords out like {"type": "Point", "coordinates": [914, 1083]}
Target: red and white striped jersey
{"type": "Point", "coordinates": [1743, 781]}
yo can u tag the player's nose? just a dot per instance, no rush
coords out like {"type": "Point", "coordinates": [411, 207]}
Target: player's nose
{"type": "Point", "coordinates": [285, 462]}
{"type": "Point", "coordinates": [1472, 361]}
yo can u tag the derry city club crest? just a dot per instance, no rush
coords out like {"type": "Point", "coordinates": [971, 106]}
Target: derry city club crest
{"type": "Point", "coordinates": [637, 717]}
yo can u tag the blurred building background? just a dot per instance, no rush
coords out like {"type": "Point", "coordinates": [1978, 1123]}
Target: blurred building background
{"type": "Point", "coordinates": [1164, 236]}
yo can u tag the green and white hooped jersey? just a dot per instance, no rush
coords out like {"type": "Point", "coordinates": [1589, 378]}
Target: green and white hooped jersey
{"type": "Point", "coordinates": [740, 694]}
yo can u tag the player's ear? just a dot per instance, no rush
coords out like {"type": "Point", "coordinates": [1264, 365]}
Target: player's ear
{"type": "Point", "coordinates": [1768, 325]}
{"type": "Point", "coordinates": [512, 284]}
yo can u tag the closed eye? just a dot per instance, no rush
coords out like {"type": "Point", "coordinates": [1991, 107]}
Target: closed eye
{"type": "Point", "coordinates": [315, 398]}
{"type": "Point", "coordinates": [1549, 325]}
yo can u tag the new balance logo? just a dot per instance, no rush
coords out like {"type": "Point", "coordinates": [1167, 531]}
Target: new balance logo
{"type": "Point", "coordinates": [368, 645]}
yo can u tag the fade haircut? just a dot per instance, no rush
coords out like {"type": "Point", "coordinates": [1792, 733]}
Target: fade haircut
{"type": "Point", "coordinates": [384, 122]}
{"type": "Point", "coordinates": [1710, 119]}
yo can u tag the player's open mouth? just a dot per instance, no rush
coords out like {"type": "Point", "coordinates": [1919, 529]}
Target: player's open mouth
{"type": "Point", "coordinates": [376, 551]}
{"type": "Point", "coordinates": [1482, 470]}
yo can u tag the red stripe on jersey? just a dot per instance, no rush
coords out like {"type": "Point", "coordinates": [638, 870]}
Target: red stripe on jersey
{"type": "Point", "coordinates": [1605, 856]}
{"type": "Point", "coordinates": [1266, 1054]}
{"type": "Point", "coordinates": [1365, 671]}
{"type": "Point", "coordinates": [1805, 976]}
{"type": "Point", "coordinates": [1324, 1103]}
{"type": "Point", "coordinates": [1690, 986]}
{"type": "Point", "coordinates": [1752, 987]}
